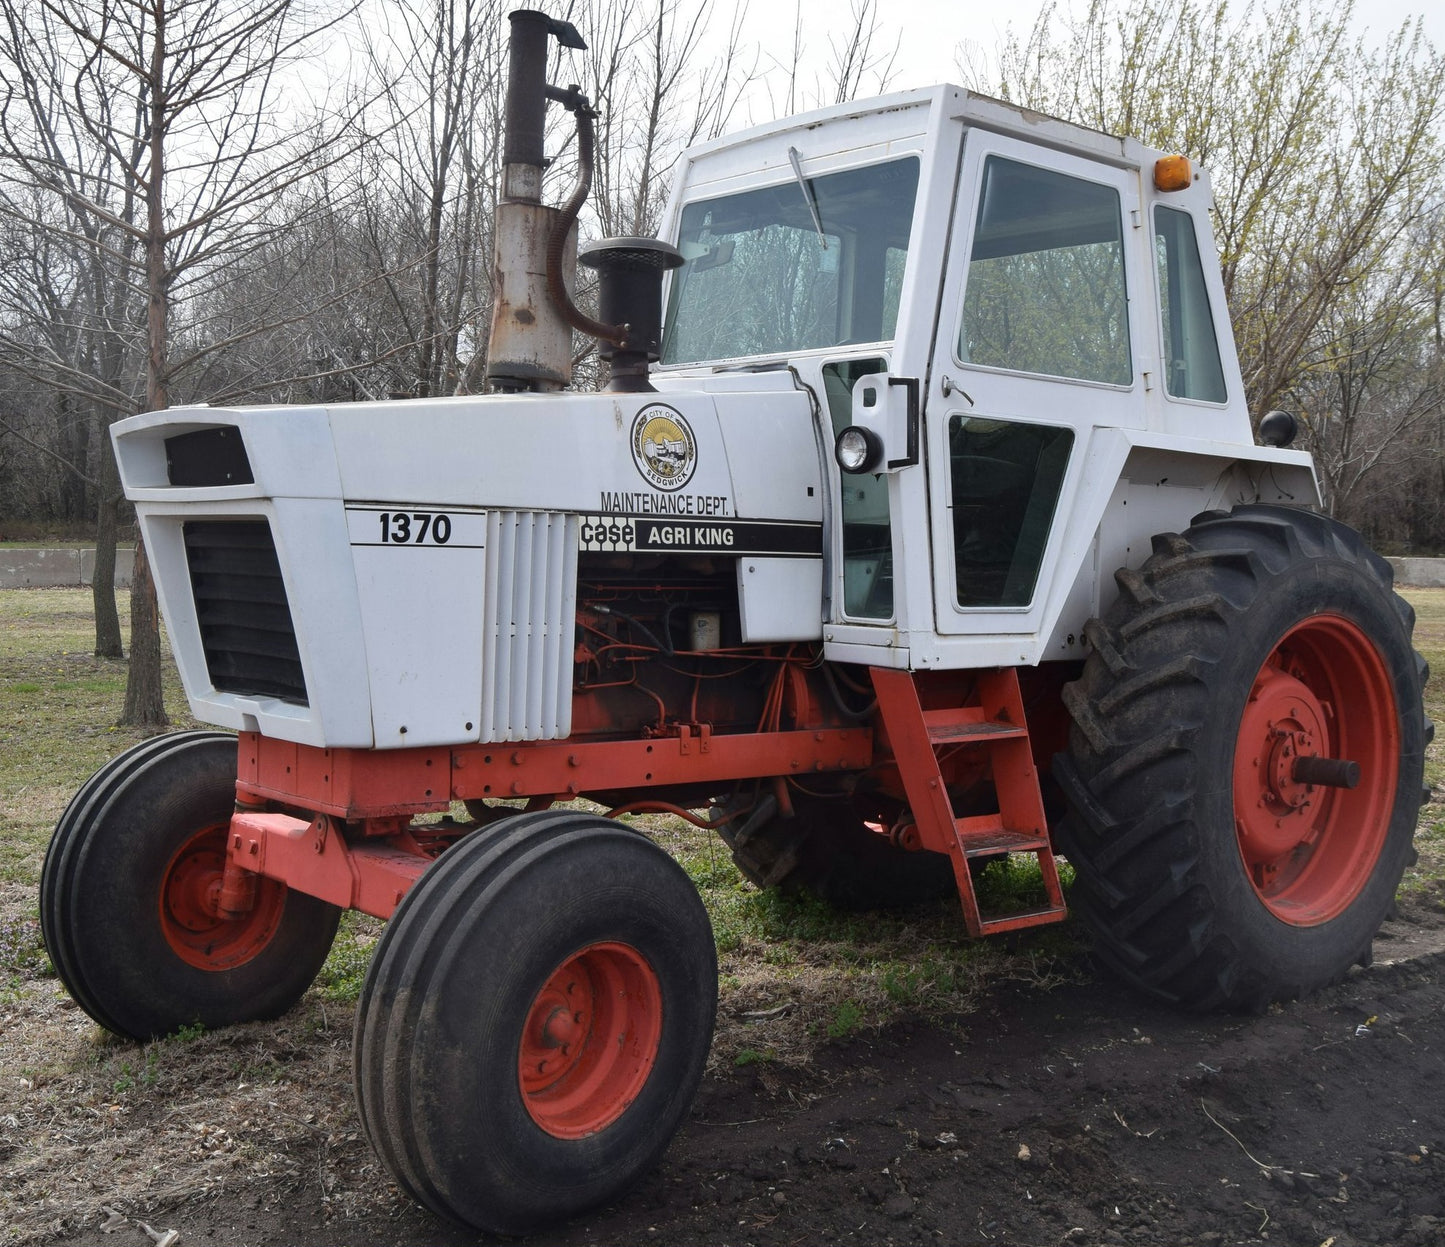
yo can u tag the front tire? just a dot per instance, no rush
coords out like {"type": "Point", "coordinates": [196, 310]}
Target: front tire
{"type": "Point", "coordinates": [535, 1021]}
{"type": "Point", "coordinates": [1213, 867]}
{"type": "Point", "coordinates": [126, 899]}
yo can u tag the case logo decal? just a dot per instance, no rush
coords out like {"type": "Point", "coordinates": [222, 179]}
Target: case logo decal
{"type": "Point", "coordinates": [663, 447]}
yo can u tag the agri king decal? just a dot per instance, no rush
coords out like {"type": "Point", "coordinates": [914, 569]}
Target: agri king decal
{"type": "Point", "coordinates": [663, 447]}
{"type": "Point", "coordinates": [643, 534]}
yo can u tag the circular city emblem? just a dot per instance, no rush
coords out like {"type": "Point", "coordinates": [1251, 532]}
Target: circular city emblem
{"type": "Point", "coordinates": [663, 447]}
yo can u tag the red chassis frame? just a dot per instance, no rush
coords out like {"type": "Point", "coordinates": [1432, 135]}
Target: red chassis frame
{"type": "Point", "coordinates": [357, 848]}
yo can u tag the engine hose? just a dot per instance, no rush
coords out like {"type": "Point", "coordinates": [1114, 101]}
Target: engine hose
{"type": "Point", "coordinates": [557, 242]}
{"type": "Point", "coordinates": [663, 646]}
{"type": "Point", "coordinates": [844, 709]}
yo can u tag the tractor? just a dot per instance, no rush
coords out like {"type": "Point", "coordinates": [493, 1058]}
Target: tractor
{"type": "Point", "coordinates": [921, 523]}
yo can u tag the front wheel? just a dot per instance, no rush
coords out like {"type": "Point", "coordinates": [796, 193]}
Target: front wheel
{"type": "Point", "coordinates": [1246, 760]}
{"type": "Point", "coordinates": [535, 1020]}
{"type": "Point", "coordinates": [128, 899]}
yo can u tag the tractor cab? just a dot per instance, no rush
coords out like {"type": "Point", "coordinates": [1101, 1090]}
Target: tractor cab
{"type": "Point", "coordinates": [968, 293]}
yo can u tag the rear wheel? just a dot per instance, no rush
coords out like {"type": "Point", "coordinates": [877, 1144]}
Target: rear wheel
{"type": "Point", "coordinates": [828, 849]}
{"type": "Point", "coordinates": [535, 1020]}
{"type": "Point", "coordinates": [1246, 760]}
{"type": "Point", "coordinates": [129, 890]}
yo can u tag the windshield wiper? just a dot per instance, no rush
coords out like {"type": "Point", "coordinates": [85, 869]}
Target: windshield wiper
{"type": "Point", "coordinates": [808, 196]}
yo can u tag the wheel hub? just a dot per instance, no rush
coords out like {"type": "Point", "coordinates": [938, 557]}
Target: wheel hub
{"type": "Point", "coordinates": [192, 921]}
{"type": "Point", "coordinates": [1285, 721]}
{"type": "Point", "coordinates": [590, 1040]}
{"type": "Point", "coordinates": [1309, 836]}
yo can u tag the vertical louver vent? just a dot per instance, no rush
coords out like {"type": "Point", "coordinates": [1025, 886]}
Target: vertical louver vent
{"type": "Point", "coordinates": [245, 621]}
{"type": "Point", "coordinates": [528, 625]}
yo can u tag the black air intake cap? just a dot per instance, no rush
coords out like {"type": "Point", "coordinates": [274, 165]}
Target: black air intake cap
{"type": "Point", "coordinates": [629, 274]}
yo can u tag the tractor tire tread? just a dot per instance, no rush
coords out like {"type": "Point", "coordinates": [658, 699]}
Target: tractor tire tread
{"type": "Point", "coordinates": [1139, 708]}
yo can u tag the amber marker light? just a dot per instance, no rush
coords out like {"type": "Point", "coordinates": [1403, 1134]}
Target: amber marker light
{"type": "Point", "coordinates": [1172, 173]}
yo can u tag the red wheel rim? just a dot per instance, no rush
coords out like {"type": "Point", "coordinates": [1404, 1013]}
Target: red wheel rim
{"type": "Point", "coordinates": [191, 922]}
{"type": "Point", "coordinates": [590, 1040]}
{"type": "Point", "coordinates": [1308, 848]}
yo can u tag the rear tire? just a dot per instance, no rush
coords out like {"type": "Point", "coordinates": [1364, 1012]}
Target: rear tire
{"type": "Point", "coordinates": [124, 899]}
{"type": "Point", "coordinates": [535, 1021]}
{"type": "Point", "coordinates": [1209, 874]}
{"type": "Point", "coordinates": [828, 850]}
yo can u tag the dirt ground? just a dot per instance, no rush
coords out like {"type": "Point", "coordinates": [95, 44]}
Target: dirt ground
{"type": "Point", "coordinates": [1073, 1113]}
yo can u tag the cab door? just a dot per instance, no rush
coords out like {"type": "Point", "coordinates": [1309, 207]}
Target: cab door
{"type": "Point", "coordinates": [1036, 348]}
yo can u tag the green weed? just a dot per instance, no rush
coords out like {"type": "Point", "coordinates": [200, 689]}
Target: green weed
{"type": "Point", "coordinates": [187, 1033]}
{"type": "Point", "coordinates": [847, 1018]}
{"type": "Point", "coordinates": [754, 1056]}
{"type": "Point", "coordinates": [1429, 607]}
{"type": "Point", "coordinates": [344, 970]}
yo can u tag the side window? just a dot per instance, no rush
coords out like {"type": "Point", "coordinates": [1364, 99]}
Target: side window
{"type": "Point", "coordinates": [1004, 482]}
{"type": "Point", "coordinates": [1191, 351]}
{"type": "Point", "coordinates": [1045, 289]}
{"type": "Point", "coordinates": [894, 259]}
{"type": "Point", "coordinates": [867, 537]}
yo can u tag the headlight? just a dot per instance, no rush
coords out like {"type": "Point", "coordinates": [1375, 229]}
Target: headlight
{"type": "Point", "coordinates": [858, 449]}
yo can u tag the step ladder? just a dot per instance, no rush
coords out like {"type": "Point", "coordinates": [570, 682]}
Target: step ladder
{"type": "Point", "coordinates": [991, 724]}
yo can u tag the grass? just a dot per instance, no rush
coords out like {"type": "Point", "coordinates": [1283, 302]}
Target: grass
{"type": "Point", "coordinates": [42, 544]}
{"type": "Point", "coordinates": [833, 974]}
{"type": "Point", "coordinates": [58, 707]}
{"type": "Point", "coordinates": [58, 704]}
{"type": "Point", "coordinates": [342, 974]}
{"type": "Point", "coordinates": [795, 973]}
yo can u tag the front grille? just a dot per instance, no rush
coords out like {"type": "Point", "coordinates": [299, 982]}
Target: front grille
{"type": "Point", "coordinates": [245, 620]}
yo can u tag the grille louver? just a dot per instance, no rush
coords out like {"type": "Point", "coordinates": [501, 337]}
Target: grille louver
{"type": "Point", "coordinates": [528, 625]}
{"type": "Point", "coordinates": [245, 620]}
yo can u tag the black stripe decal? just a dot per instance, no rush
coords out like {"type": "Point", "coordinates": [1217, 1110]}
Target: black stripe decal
{"type": "Point", "coordinates": [653, 534]}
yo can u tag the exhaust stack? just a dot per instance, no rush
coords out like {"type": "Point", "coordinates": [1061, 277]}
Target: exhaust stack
{"type": "Point", "coordinates": [530, 347]}
{"type": "Point", "coordinates": [536, 246]}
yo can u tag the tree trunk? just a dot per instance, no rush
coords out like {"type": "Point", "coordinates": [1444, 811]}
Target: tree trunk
{"type": "Point", "coordinates": [73, 433]}
{"type": "Point", "coordinates": [144, 702]}
{"type": "Point", "coordinates": [102, 585]}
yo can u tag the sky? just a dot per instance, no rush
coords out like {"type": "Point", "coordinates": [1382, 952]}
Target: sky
{"type": "Point", "coordinates": [931, 31]}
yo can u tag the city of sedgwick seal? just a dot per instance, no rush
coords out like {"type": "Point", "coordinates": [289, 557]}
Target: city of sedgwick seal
{"type": "Point", "coordinates": [663, 447]}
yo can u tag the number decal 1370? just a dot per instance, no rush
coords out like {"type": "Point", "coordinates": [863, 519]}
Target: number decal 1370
{"type": "Point", "coordinates": [415, 528]}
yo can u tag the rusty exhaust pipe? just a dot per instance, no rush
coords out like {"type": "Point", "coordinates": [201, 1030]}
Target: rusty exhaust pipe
{"type": "Point", "coordinates": [530, 344]}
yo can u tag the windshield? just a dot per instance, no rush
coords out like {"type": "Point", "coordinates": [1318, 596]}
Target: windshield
{"type": "Point", "coordinates": [762, 277]}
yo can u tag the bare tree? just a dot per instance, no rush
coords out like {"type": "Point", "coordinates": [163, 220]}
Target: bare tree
{"type": "Point", "coordinates": [425, 187]}
{"type": "Point", "coordinates": [149, 127]}
{"type": "Point", "coordinates": [657, 89]}
{"type": "Point", "coordinates": [859, 61]}
{"type": "Point", "coordinates": [71, 312]}
{"type": "Point", "coordinates": [1365, 390]}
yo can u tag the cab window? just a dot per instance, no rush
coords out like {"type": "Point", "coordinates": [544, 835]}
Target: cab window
{"type": "Point", "coordinates": [1045, 291]}
{"type": "Point", "coordinates": [762, 276]}
{"type": "Point", "coordinates": [1191, 350]}
{"type": "Point", "coordinates": [1004, 485]}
